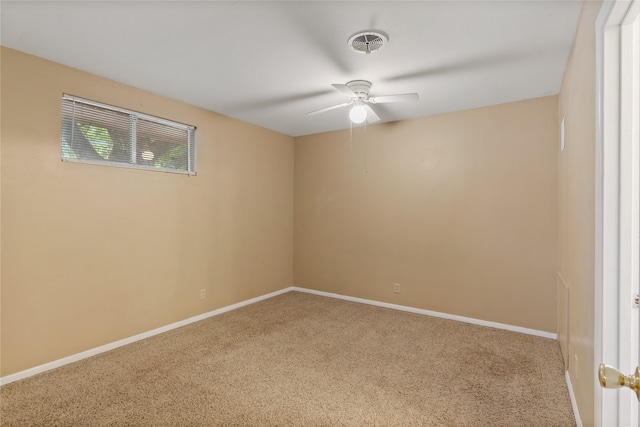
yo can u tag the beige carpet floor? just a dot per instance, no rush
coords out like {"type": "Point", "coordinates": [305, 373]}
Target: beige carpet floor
{"type": "Point", "coordinates": [305, 360]}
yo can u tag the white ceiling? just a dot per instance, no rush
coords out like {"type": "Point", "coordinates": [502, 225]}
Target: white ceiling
{"type": "Point", "coordinates": [269, 63]}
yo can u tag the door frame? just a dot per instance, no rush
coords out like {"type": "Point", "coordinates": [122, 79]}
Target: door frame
{"type": "Point", "coordinates": [615, 340]}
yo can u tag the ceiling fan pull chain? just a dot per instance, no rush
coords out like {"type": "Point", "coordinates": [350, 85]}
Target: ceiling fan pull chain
{"type": "Point", "coordinates": [365, 147]}
{"type": "Point", "coordinates": [351, 138]}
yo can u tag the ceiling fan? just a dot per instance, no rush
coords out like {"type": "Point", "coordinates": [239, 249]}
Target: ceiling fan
{"type": "Point", "coordinates": [358, 93]}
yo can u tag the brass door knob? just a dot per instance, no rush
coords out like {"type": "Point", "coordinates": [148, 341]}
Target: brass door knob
{"type": "Point", "coordinates": [612, 378]}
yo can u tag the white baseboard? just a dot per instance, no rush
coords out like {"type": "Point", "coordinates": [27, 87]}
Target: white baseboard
{"type": "Point", "coordinates": [94, 351]}
{"type": "Point", "coordinates": [107, 347]}
{"type": "Point", "coordinates": [512, 328]}
{"type": "Point", "coordinates": [574, 404]}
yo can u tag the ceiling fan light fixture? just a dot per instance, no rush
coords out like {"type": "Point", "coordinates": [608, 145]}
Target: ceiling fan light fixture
{"type": "Point", "coordinates": [368, 41]}
{"type": "Point", "coordinates": [358, 114]}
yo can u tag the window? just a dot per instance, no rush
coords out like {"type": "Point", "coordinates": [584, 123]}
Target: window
{"type": "Point", "coordinates": [97, 133]}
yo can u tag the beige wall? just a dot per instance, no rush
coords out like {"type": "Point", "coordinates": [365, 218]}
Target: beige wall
{"type": "Point", "coordinates": [460, 209]}
{"type": "Point", "coordinates": [576, 207]}
{"type": "Point", "coordinates": [93, 254]}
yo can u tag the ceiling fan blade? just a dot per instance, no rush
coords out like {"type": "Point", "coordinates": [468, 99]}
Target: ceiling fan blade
{"type": "Point", "coordinates": [345, 90]}
{"type": "Point", "coordinates": [333, 107]}
{"type": "Point", "coordinates": [394, 98]}
{"type": "Point", "coordinates": [372, 117]}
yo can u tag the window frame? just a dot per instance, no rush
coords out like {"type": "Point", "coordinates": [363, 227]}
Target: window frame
{"type": "Point", "coordinates": [191, 132]}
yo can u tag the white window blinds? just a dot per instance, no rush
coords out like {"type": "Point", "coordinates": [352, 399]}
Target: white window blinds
{"type": "Point", "coordinates": [97, 133]}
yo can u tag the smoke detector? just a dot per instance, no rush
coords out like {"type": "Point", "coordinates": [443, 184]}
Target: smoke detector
{"type": "Point", "coordinates": [368, 41]}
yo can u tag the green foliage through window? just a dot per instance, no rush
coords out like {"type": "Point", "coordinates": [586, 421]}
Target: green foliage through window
{"type": "Point", "coordinates": [99, 138]}
{"type": "Point", "coordinates": [174, 158]}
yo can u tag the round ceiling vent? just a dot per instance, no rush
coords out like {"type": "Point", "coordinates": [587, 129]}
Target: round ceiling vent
{"type": "Point", "coordinates": [368, 41]}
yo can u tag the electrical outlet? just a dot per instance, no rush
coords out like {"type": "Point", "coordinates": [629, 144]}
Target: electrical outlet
{"type": "Point", "coordinates": [396, 288]}
{"type": "Point", "coordinates": [203, 293]}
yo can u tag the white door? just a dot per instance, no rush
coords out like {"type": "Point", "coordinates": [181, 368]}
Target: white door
{"type": "Point", "coordinates": [617, 341]}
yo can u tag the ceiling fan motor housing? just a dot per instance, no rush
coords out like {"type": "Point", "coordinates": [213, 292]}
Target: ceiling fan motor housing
{"type": "Point", "coordinates": [360, 87]}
